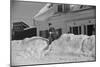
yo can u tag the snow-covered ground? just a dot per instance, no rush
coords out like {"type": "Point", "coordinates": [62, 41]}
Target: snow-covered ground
{"type": "Point", "coordinates": [68, 48]}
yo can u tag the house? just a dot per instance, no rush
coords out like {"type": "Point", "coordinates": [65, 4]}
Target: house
{"type": "Point", "coordinates": [76, 19]}
{"type": "Point", "coordinates": [21, 31]}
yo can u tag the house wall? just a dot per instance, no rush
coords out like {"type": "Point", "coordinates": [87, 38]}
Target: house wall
{"type": "Point", "coordinates": [66, 20]}
{"type": "Point", "coordinates": [80, 23]}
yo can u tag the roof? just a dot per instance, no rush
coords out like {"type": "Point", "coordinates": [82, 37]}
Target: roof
{"type": "Point", "coordinates": [19, 25]}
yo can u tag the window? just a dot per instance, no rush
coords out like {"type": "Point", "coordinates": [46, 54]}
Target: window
{"type": "Point", "coordinates": [89, 30]}
{"type": "Point", "coordinates": [79, 30]}
{"type": "Point", "coordinates": [58, 32]}
{"type": "Point", "coordinates": [70, 30]}
{"type": "Point", "coordinates": [44, 33]}
{"type": "Point", "coordinates": [75, 30]}
{"type": "Point", "coordinates": [85, 29]}
{"type": "Point", "coordinates": [59, 8]}
{"type": "Point", "coordinates": [63, 8]}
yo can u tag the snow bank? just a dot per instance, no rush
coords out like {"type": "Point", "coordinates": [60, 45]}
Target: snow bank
{"type": "Point", "coordinates": [33, 46]}
{"type": "Point", "coordinates": [66, 45]}
{"type": "Point", "coordinates": [77, 44]}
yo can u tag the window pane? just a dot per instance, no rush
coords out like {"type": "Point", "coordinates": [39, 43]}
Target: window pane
{"type": "Point", "coordinates": [75, 30]}
{"type": "Point", "coordinates": [85, 29]}
{"type": "Point", "coordinates": [79, 29]}
{"type": "Point", "coordinates": [59, 8]}
{"type": "Point", "coordinates": [90, 30]}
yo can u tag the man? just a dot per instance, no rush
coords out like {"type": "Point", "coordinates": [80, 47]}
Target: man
{"type": "Point", "coordinates": [52, 33]}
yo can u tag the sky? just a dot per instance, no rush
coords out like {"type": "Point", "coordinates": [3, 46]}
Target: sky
{"type": "Point", "coordinates": [25, 11]}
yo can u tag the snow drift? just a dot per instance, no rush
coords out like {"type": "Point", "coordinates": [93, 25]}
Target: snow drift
{"type": "Point", "coordinates": [66, 45]}
{"type": "Point", "coordinates": [74, 44]}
